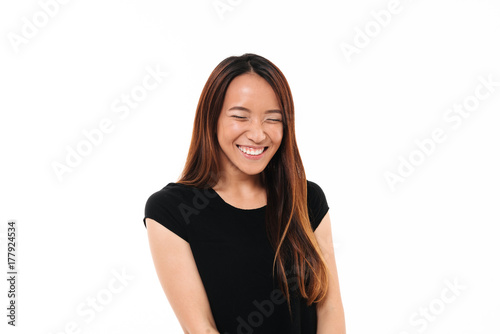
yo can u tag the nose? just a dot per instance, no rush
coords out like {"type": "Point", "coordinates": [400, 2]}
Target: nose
{"type": "Point", "coordinates": [256, 132]}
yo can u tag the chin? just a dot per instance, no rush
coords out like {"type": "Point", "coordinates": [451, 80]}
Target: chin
{"type": "Point", "coordinates": [252, 171]}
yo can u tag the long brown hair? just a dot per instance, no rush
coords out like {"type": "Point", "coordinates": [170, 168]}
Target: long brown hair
{"type": "Point", "coordinates": [287, 219]}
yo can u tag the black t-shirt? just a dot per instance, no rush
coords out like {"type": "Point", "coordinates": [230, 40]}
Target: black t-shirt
{"type": "Point", "coordinates": [235, 259]}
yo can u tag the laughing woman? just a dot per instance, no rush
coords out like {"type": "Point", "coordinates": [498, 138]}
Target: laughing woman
{"type": "Point", "coordinates": [242, 242]}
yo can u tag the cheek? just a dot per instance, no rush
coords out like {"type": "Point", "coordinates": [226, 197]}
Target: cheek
{"type": "Point", "coordinates": [229, 131]}
{"type": "Point", "coordinates": [233, 129]}
{"type": "Point", "coordinates": [276, 134]}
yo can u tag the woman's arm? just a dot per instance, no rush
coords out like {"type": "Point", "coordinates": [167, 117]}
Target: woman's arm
{"type": "Point", "coordinates": [330, 311]}
{"type": "Point", "coordinates": [180, 279]}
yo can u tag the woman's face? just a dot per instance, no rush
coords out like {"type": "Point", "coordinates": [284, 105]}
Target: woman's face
{"type": "Point", "coordinates": [250, 126]}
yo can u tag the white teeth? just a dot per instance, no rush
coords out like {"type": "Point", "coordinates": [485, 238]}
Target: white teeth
{"type": "Point", "coordinates": [251, 151]}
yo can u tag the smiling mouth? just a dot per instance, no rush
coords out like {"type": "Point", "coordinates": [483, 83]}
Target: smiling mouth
{"type": "Point", "coordinates": [252, 151]}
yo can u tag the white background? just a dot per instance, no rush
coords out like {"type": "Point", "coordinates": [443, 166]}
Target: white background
{"type": "Point", "coordinates": [356, 117]}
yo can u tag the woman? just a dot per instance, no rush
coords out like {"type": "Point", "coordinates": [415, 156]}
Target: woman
{"type": "Point", "coordinates": [242, 241]}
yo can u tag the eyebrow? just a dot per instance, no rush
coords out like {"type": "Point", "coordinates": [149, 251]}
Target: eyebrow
{"type": "Point", "coordinates": [271, 111]}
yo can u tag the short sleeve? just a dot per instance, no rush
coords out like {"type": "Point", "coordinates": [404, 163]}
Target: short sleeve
{"type": "Point", "coordinates": [317, 204]}
{"type": "Point", "coordinates": [164, 208]}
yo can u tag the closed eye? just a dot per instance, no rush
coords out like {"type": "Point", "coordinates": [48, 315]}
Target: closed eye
{"type": "Point", "coordinates": [269, 119]}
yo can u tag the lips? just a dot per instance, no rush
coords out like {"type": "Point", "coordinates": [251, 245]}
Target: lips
{"type": "Point", "coordinates": [252, 150]}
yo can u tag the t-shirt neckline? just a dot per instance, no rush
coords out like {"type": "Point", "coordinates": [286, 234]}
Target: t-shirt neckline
{"type": "Point", "coordinates": [221, 200]}
{"type": "Point", "coordinates": [232, 206]}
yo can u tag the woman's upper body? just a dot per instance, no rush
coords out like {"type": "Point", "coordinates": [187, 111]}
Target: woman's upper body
{"type": "Point", "coordinates": [234, 258]}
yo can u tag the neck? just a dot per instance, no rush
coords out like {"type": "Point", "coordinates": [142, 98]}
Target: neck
{"type": "Point", "coordinates": [233, 180]}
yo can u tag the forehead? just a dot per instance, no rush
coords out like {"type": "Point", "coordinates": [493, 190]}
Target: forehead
{"type": "Point", "coordinates": [250, 88]}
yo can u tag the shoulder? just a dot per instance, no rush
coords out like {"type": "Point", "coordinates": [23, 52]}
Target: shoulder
{"type": "Point", "coordinates": [312, 185]}
{"type": "Point", "coordinates": [165, 207]}
{"type": "Point", "coordinates": [172, 193]}
{"type": "Point", "coordinates": [314, 191]}
{"type": "Point", "coordinates": [316, 203]}
{"type": "Point", "coordinates": [167, 201]}
{"type": "Point", "coordinates": [176, 198]}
